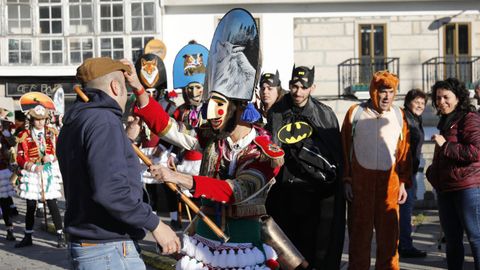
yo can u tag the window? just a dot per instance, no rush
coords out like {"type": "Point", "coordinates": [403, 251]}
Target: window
{"type": "Point", "coordinates": [19, 17]}
{"type": "Point", "coordinates": [81, 19]}
{"type": "Point", "coordinates": [111, 47]}
{"type": "Point", "coordinates": [111, 17]}
{"type": "Point", "coordinates": [51, 51]}
{"type": "Point", "coordinates": [458, 62]}
{"type": "Point", "coordinates": [50, 17]}
{"type": "Point", "coordinates": [138, 44]}
{"type": "Point", "coordinates": [80, 49]}
{"type": "Point", "coordinates": [143, 17]}
{"type": "Point", "coordinates": [372, 50]}
{"type": "Point", "coordinates": [19, 51]}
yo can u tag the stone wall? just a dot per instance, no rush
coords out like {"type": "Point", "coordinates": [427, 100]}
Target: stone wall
{"type": "Point", "coordinates": [326, 42]}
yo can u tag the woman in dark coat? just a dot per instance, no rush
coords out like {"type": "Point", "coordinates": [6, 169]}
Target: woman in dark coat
{"type": "Point", "coordinates": [414, 106]}
{"type": "Point", "coordinates": [455, 170]}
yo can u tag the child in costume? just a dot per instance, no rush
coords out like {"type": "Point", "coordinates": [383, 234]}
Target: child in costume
{"type": "Point", "coordinates": [40, 175]}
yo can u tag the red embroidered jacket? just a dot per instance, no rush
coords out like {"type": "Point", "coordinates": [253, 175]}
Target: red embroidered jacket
{"type": "Point", "coordinates": [29, 151]}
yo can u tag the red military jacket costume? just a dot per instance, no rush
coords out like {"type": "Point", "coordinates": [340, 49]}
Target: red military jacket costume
{"type": "Point", "coordinates": [29, 151]}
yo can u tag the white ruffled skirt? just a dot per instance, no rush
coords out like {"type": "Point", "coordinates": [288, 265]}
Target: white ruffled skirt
{"type": "Point", "coordinates": [31, 183]}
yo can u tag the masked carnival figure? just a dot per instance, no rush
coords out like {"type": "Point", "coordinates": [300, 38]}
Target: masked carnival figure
{"type": "Point", "coordinates": [239, 160]}
{"type": "Point", "coordinates": [151, 72]}
{"type": "Point", "coordinates": [40, 177]}
{"type": "Point", "coordinates": [189, 71]}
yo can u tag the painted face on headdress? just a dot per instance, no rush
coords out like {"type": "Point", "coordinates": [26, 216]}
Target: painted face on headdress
{"type": "Point", "coordinates": [151, 71]}
{"type": "Point", "coordinates": [194, 93]}
{"type": "Point", "coordinates": [218, 111]}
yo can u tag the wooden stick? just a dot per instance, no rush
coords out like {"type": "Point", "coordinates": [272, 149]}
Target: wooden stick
{"type": "Point", "coordinates": [173, 187]}
{"type": "Point", "coordinates": [80, 93]}
{"type": "Point", "coordinates": [185, 199]}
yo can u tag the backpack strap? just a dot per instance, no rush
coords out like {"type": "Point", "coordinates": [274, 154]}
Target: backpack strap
{"type": "Point", "coordinates": [358, 112]}
{"type": "Point", "coordinates": [356, 116]}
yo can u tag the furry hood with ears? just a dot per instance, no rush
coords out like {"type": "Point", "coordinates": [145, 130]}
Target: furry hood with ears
{"type": "Point", "coordinates": [380, 80]}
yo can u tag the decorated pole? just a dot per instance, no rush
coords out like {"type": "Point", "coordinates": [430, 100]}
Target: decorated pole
{"type": "Point", "coordinates": [172, 186]}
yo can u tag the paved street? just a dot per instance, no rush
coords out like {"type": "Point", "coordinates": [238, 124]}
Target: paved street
{"type": "Point", "coordinates": [44, 255]}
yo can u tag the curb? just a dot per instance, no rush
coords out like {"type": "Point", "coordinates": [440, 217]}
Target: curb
{"type": "Point", "coordinates": [150, 258]}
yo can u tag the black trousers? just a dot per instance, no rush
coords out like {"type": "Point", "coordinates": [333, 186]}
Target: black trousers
{"type": "Point", "coordinates": [5, 204]}
{"type": "Point", "coordinates": [53, 209]}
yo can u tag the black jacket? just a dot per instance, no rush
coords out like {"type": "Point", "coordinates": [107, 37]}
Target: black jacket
{"type": "Point", "coordinates": [311, 212]}
{"type": "Point", "coordinates": [416, 138]}
{"type": "Point", "coordinates": [101, 174]}
{"type": "Point", "coordinates": [325, 137]}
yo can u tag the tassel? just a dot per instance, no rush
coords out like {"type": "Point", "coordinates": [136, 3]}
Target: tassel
{"type": "Point", "coordinates": [270, 252]}
{"type": "Point", "coordinates": [231, 259]}
{"type": "Point", "coordinates": [215, 259]}
{"type": "Point", "coordinates": [250, 114]}
{"type": "Point", "coordinates": [172, 94]}
{"type": "Point", "coordinates": [272, 264]}
{"type": "Point", "coordinates": [259, 257]}
{"type": "Point", "coordinates": [222, 260]}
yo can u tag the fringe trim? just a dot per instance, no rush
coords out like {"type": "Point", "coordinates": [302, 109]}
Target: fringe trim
{"type": "Point", "coordinates": [203, 254]}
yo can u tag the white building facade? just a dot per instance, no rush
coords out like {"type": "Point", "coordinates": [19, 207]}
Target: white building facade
{"type": "Point", "coordinates": [346, 40]}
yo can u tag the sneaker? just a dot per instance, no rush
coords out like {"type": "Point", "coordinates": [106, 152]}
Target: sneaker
{"type": "Point", "coordinates": [10, 236]}
{"type": "Point", "coordinates": [412, 253]}
{"type": "Point", "coordinates": [26, 241]}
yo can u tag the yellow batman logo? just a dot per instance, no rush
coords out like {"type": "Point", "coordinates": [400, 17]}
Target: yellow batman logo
{"type": "Point", "coordinates": [294, 132]}
{"type": "Point", "coordinates": [301, 73]}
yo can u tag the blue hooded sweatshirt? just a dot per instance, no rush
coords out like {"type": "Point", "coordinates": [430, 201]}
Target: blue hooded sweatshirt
{"type": "Point", "coordinates": [101, 174]}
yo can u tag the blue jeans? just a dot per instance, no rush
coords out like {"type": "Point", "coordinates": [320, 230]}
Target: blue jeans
{"type": "Point", "coordinates": [120, 255]}
{"type": "Point", "coordinates": [406, 209]}
{"type": "Point", "coordinates": [460, 211]}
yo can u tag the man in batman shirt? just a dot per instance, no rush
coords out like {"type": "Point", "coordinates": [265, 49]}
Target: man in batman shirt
{"type": "Point", "coordinates": [307, 201]}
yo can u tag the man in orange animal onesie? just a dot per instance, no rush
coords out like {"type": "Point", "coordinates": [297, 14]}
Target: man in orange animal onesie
{"type": "Point", "coordinates": [377, 167]}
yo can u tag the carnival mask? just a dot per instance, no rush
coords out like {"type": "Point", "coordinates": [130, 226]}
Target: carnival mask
{"type": "Point", "coordinates": [217, 111]}
{"type": "Point", "coordinates": [194, 93]}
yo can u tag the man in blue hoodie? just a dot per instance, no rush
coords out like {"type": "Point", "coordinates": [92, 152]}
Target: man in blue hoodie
{"type": "Point", "coordinates": [105, 213]}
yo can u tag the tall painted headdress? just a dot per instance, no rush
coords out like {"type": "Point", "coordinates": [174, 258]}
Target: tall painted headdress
{"type": "Point", "coordinates": [190, 65]}
{"type": "Point", "coordinates": [36, 104]}
{"type": "Point", "coordinates": [151, 71]}
{"type": "Point", "coordinates": [157, 47]}
{"type": "Point", "coordinates": [233, 61]}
